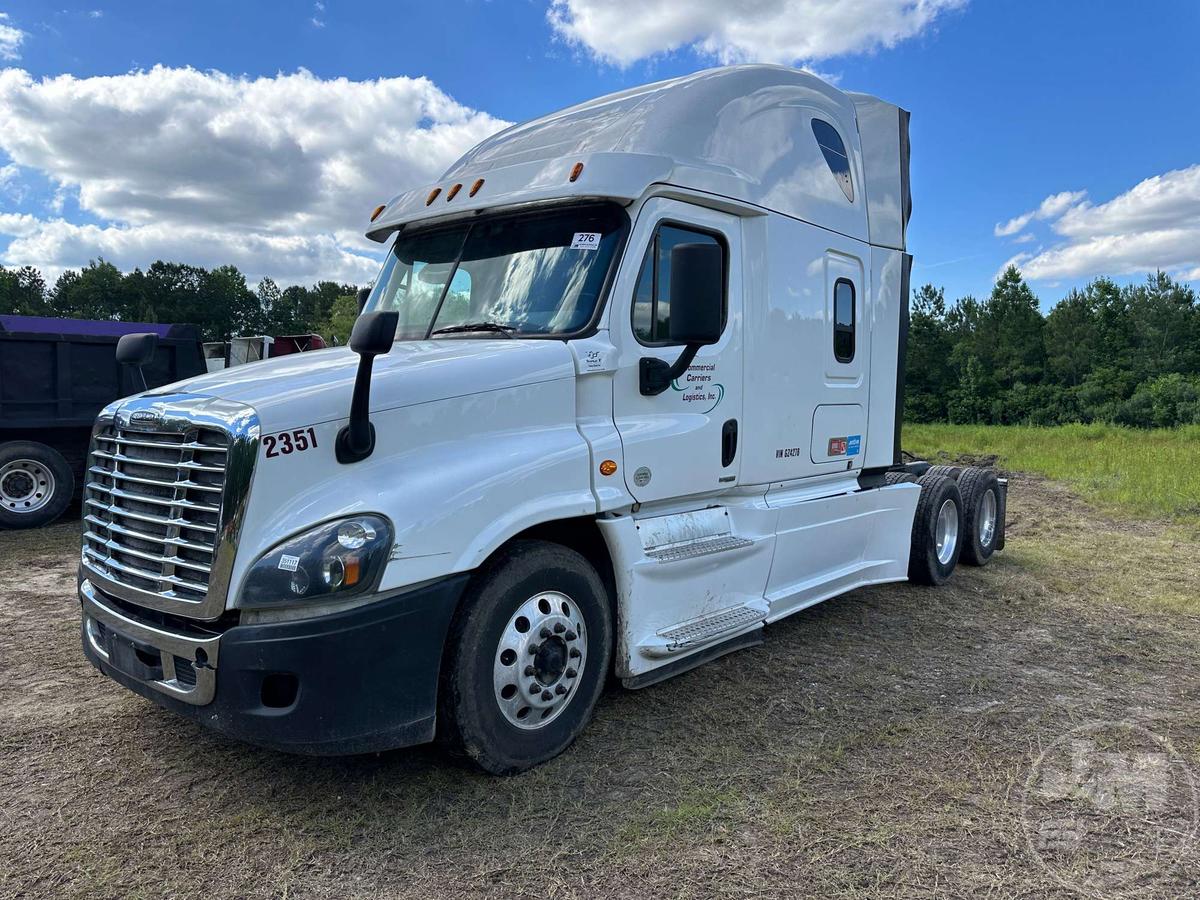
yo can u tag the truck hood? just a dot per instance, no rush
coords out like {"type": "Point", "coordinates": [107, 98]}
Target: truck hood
{"type": "Point", "coordinates": [307, 388]}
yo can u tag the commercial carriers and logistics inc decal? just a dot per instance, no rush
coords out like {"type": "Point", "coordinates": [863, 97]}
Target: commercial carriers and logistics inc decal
{"type": "Point", "coordinates": [698, 386]}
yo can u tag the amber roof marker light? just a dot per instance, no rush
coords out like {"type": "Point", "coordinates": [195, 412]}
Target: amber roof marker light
{"type": "Point", "coordinates": [378, 210]}
{"type": "Point", "coordinates": [576, 171]}
{"type": "Point", "coordinates": [432, 195]}
{"type": "Point", "coordinates": [453, 192]}
{"type": "Point", "coordinates": [475, 188]}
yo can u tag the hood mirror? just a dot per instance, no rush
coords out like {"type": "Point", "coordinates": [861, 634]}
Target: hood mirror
{"type": "Point", "coordinates": [137, 350]}
{"type": "Point", "coordinates": [373, 334]}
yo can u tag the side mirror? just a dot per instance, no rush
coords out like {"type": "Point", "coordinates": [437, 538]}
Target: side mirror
{"type": "Point", "coordinates": [364, 294]}
{"type": "Point", "coordinates": [137, 350]}
{"type": "Point", "coordinates": [373, 334]}
{"type": "Point", "coordinates": [697, 311]}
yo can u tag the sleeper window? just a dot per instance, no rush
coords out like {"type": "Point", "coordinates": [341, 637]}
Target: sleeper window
{"type": "Point", "coordinates": [843, 321]}
{"type": "Point", "coordinates": [652, 299]}
{"type": "Point", "coordinates": [835, 155]}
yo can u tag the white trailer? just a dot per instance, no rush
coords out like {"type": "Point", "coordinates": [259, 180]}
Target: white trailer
{"type": "Point", "coordinates": [626, 391]}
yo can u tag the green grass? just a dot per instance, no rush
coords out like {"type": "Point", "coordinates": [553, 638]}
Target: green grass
{"type": "Point", "coordinates": [1150, 474]}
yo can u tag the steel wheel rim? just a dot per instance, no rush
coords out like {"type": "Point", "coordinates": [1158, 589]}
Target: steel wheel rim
{"type": "Point", "coordinates": [987, 519]}
{"type": "Point", "coordinates": [26, 485]}
{"type": "Point", "coordinates": [947, 532]}
{"type": "Point", "coordinates": [539, 660]}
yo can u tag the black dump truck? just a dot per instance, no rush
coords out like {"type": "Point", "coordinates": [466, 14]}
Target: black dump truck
{"type": "Point", "coordinates": [55, 376]}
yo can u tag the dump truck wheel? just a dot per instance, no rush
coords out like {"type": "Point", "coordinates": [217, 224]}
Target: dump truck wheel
{"type": "Point", "coordinates": [937, 530]}
{"type": "Point", "coordinates": [527, 658]}
{"type": "Point", "coordinates": [36, 484]}
{"type": "Point", "coordinates": [899, 478]}
{"type": "Point", "coordinates": [981, 511]}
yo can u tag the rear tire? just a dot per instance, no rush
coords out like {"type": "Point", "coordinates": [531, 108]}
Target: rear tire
{"type": "Point", "coordinates": [937, 530]}
{"type": "Point", "coordinates": [954, 472]}
{"type": "Point", "coordinates": [36, 484]}
{"type": "Point", "coordinates": [899, 478]}
{"type": "Point", "coordinates": [981, 507]}
{"type": "Point", "coordinates": [527, 658]}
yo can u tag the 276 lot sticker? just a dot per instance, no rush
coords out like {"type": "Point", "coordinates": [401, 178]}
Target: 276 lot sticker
{"type": "Point", "coordinates": [288, 442]}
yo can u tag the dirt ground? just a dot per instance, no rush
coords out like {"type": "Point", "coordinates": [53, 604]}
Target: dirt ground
{"type": "Point", "coordinates": [880, 744]}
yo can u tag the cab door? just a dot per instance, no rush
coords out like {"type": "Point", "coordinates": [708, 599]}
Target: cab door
{"type": "Point", "coordinates": [684, 441]}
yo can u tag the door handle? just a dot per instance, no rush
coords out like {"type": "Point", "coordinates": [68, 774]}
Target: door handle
{"type": "Point", "coordinates": [728, 442]}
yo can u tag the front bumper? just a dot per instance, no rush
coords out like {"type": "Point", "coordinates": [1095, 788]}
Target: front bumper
{"type": "Point", "coordinates": [357, 681]}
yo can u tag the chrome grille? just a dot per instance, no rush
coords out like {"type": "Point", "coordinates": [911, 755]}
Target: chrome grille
{"type": "Point", "coordinates": [152, 508]}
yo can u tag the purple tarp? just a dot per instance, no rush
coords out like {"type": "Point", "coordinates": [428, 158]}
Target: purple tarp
{"type": "Point", "coordinates": [50, 325]}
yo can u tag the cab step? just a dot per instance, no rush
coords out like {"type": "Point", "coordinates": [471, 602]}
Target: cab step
{"type": "Point", "coordinates": [704, 547]}
{"type": "Point", "coordinates": [706, 629]}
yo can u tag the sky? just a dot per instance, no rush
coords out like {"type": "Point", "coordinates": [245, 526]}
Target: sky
{"type": "Point", "coordinates": [1060, 136]}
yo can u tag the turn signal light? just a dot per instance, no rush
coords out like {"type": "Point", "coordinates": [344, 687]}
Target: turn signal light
{"type": "Point", "coordinates": [608, 467]}
{"type": "Point", "coordinates": [378, 210]}
{"type": "Point", "coordinates": [576, 171]}
{"type": "Point", "coordinates": [432, 195]}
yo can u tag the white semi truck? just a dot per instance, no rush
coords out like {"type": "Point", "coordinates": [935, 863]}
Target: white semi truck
{"type": "Point", "coordinates": [627, 390]}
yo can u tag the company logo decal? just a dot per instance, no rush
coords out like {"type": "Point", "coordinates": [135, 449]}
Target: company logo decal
{"type": "Point", "coordinates": [145, 415]}
{"type": "Point", "coordinates": [699, 387]}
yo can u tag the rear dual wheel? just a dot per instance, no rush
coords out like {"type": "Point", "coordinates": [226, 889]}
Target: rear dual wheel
{"type": "Point", "coordinates": [937, 530]}
{"type": "Point", "coordinates": [981, 526]}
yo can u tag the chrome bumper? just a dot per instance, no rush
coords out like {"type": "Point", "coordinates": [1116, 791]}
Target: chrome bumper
{"type": "Point", "coordinates": [102, 625]}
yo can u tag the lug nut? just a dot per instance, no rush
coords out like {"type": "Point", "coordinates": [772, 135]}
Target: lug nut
{"type": "Point", "coordinates": [560, 690]}
{"type": "Point", "coordinates": [570, 635]}
{"type": "Point", "coordinates": [545, 633]}
{"type": "Point", "coordinates": [530, 670]}
{"type": "Point", "coordinates": [534, 688]}
{"type": "Point", "coordinates": [559, 627]}
{"type": "Point", "coordinates": [575, 653]}
{"type": "Point", "coordinates": [571, 673]}
{"type": "Point", "coordinates": [533, 651]}
{"type": "Point", "coordinates": [546, 695]}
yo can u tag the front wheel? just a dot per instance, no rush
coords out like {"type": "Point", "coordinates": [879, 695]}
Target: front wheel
{"type": "Point", "coordinates": [527, 658]}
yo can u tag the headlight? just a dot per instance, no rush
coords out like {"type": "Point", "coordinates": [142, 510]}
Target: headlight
{"type": "Point", "coordinates": [339, 559]}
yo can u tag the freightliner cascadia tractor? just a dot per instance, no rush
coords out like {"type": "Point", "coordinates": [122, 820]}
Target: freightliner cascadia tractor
{"type": "Point", "coordinates": [626, 391]}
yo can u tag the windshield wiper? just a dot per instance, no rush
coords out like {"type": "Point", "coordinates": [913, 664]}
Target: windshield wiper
{"type": "Point", "coordinates": [505, 330]}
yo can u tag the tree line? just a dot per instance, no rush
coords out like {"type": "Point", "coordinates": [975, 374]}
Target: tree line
{"type": "Point", "coordinates": [218, 301]}
{"type": "Point", "coordinates": [1104, 353]}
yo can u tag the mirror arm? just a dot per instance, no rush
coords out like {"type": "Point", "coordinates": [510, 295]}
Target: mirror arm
{"type": "Point", "coordinates": [656, 375]}
{"type": "Point", "coordinates": [356, 440]}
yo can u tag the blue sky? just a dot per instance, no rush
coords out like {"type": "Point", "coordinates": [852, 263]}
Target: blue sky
{"type": "Point", "coordinates": [1061, 134]}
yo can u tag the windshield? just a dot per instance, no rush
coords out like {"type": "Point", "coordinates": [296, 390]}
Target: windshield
{"type": "Point", "coordinates": [533, 273]}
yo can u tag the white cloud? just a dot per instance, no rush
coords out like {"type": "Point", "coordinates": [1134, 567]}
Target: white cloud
{"type": "Point", "coordinates": [1050, 208]}
{"type": "Point", "coordinates": [11, 38]}
{"type": "Point", "coordinates": [276, 175]}
{"type": "Point", "coordinates": [1012, 226]}
{"type": "Point", "coordinates": [1153, 225]}
{"type": "Point", "coordinates": [780, 31]}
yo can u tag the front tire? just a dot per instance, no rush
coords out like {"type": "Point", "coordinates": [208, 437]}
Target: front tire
{"type": "Point", "coordinates": [36, 484]}
{"type": "Point", "coordinates": [527, 658]}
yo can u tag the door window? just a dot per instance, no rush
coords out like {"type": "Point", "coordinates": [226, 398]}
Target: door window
{"type": "Point", "coordinates": [652, 299]}
{"type": "Point", "coordinates": [843, 320]}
